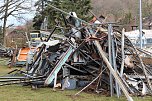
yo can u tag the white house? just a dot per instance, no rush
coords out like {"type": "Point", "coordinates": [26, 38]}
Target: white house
{"type": "Point", "coordinates": [134, 36]}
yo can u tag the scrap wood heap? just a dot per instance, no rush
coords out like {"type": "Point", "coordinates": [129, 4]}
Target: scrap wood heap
{"type": "Point", "coordinates": [95, 57]}
{"type": "Point", "coordinates": [5, 52]}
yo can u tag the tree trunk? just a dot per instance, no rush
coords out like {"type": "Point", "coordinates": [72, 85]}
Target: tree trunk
{"type": "Point", "coordinates": [4, 23]}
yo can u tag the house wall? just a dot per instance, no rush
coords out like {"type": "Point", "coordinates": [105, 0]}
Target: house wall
{"type": "Point", "coordinates": [15, 38]}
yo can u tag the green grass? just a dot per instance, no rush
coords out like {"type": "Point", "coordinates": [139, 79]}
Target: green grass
{"type": "Point", "coordinates": [25, 93]}
{"type": "Point", "coordinates": [18, 93]}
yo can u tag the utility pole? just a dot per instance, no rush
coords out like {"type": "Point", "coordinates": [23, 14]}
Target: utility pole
{"type": "Point", "coordinates": [140, 19]}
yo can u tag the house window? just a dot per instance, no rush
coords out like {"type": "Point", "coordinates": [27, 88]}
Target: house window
{"type": "Point", "coordinates": [33, 35]}
{"type": "Point", "coordinates": [149, 40]}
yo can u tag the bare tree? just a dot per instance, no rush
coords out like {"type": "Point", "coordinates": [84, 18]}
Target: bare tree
{"type": "Point", "coordinates": [14, 8]}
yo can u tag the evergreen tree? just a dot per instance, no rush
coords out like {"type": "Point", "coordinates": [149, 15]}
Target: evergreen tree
{"type": "Point", "coordinates": [81, 7]}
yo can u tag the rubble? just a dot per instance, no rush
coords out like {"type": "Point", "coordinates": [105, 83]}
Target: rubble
{"type": "Point", "coordinates": [5, 52]}
{"type": "Point", "coordinates": [93, 56]}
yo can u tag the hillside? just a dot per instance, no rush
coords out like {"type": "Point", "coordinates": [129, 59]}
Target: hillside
{"type": "Point", "coordinates": [124, 11]}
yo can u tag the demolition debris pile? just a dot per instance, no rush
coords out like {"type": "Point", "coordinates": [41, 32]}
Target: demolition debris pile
{"type": "Point", "coordinates": [4, 52]}
{"type": "Point", "coordinates": [95, 57]}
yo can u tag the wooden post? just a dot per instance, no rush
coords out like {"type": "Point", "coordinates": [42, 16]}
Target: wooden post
{"type": "Point", "coordinates": [122, 52]}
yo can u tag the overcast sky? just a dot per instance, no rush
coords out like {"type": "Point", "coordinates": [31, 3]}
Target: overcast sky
{"type": "Point", "coordinates": [29, 16]}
